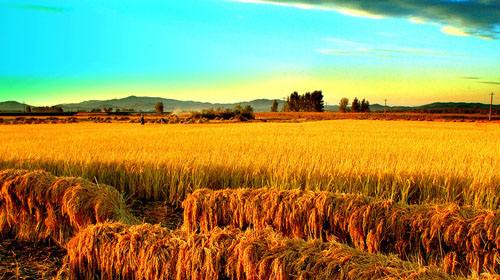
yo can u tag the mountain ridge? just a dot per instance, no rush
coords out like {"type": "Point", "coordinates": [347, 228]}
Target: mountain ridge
{"type": "Point", "coordinates": [147, 103]}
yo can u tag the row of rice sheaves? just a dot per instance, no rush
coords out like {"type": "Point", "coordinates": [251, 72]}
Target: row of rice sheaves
{"type": "Point", "coordinates": [458, 238]}
{"type": "Point", "coordinates": [118, 251]}
{"type": "Point", "coordinates": [77, 214]}
{"type": "Point", "coordinates": [35, 205]}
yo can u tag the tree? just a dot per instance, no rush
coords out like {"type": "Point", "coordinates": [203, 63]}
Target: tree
{"type": "Point", "coordinates": [247, 112]}
{"type": "Point", "coordinates": [274, 106]}
{"type": "Point", "coordinates": [294, 102]}
{"type": "Point", "coordinates": [355, 106]}
{"type": "Point", "coordinates": [107, 109]}
{"type": "Point", "coordinates": [308, 102]}
{"type": "Point", "coordinates": [317, 101]}
{"type": "Point", "coordinates": [365, 106]}
{"type": "Point", "coordinates": [343, 104]}
{"type": "Point", "coordinates": [159, 107]}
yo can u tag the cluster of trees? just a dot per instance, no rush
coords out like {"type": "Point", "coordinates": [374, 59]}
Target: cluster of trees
{"type": "Point", "coordinates": [46, 109]}
{"type": "Point", "coordinates": [308, 102]}
{"type": "Point", "coordinates": [238, 112]}
{"type": "Point", "coordinates": [356, 106]}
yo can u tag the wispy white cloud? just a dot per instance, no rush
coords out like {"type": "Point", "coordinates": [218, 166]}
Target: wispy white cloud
{"type": "Point", "coordinates": [343, 47]}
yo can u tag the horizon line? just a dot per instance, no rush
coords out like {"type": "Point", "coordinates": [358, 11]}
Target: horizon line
{"type": "Point", "coordinates": [244, 101]}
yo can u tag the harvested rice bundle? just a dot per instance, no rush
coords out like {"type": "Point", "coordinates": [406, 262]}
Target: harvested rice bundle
{"type": "Point", "coordinates": [460, 239]}
{"type": "Point", "coordinates": [35, 205]}
{"type": "Point", "coordinates": [117, 251]}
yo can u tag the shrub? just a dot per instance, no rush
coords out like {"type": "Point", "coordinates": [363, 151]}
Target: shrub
{"type": "Point", "coordinates": [241, 113]}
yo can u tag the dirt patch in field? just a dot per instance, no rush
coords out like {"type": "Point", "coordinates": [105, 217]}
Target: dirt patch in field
{"type": "Point", "coordinates": [28, 260]}
{"type": "Point", "coordinates": [157, 213]}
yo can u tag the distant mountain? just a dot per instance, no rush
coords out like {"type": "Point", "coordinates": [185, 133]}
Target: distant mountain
{"type": "Point", "coordinates": [12, 106]}
{"type": "Point", "coordinates": [460, 105]}
{"type": "Point", "coordinates": [437, 107]}
{"type": "Point", "coordinates": [147, 104]}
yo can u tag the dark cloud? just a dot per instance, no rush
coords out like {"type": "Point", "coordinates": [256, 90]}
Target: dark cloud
{"type": "Point", "coordinates": [35, 7]}
{"type": "Point", "coordinates": [475, 17]}
{"type": "Point", "coordinates": [490, 82]}
{"type": "Point", "coordinates": [471, 78]}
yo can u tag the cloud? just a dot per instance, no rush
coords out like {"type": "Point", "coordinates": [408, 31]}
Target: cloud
{"type": "Point", "coordinates": [35, 7]}
{"type": "Point", "coordinates": [297, 5]}
{"type": "Point", "coordinates": [416, 20]}
{"type": "Point", "coordinates": [453, 31]}
{"type": "Point", "coordinates": [470, 78]}
{"type": "Point", "coordinates": [459, 17]}
{"type": "Point", "coordinates": [344, 47]}
{"type": "Point", "coordinates": [490, 82]}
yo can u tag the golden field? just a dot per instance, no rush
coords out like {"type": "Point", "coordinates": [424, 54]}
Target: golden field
{"type": "Point", "coordinates": [343, 199]}
{"type": "Point", "coordinates": [409, 162]}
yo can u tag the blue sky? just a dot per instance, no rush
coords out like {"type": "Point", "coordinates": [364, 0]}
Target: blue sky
{"type": "Point", "coordinates": [225, 51]}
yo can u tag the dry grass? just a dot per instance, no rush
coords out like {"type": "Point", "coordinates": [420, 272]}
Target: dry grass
{"type": "Point", "coordinates": [37, 206]}
{"type": "Point", "coordinates": [116, 251]}
{"type": "Point", "coordinates": [409, 162]}
{"type": "Point", "coordinates": [458, 238]}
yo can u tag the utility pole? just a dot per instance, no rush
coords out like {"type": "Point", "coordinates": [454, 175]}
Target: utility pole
{"type": "Point", "coordinates": [491, 105]}
{"type": "Point", "coordinates": [385, 106]}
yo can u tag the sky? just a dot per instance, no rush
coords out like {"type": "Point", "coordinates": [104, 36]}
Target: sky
{"type": "Point", "coordinates": [408, 52]}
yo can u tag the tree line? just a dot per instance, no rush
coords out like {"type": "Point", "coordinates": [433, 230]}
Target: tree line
{"type": "Point", "coordinates": [307, 102]}
{"type": "Point", "coordinates": [356, 105]}
{"type": "Point", "coordinates": [313, 102]}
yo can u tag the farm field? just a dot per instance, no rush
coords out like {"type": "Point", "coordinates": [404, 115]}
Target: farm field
{"type": "Point", "coordinates": [409, 162]}
{"type": "Point", "coordinates": [365, 198]}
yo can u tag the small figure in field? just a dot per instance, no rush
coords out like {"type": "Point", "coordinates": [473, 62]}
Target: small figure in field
{"type": "Point", "coordinates": [142, 119]}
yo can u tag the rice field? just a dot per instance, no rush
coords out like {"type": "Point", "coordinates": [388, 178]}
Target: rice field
{"type": "Point", "coordinates": [345, 199]}
{"type": "Point", "coordinates": [409, 162]}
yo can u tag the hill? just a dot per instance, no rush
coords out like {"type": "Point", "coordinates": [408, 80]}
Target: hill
{"type": "Point", "coordinates": [12, 106]}
{"type": "Point", "coordinates": [147, 104]}
{"type": "Point", "coordinates": [439, 107]}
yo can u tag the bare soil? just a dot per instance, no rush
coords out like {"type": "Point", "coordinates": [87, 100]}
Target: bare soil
{"type": "Point", "coordinates": [157, 213]}
{"type": "Point", "coordinates": [28, 260]}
